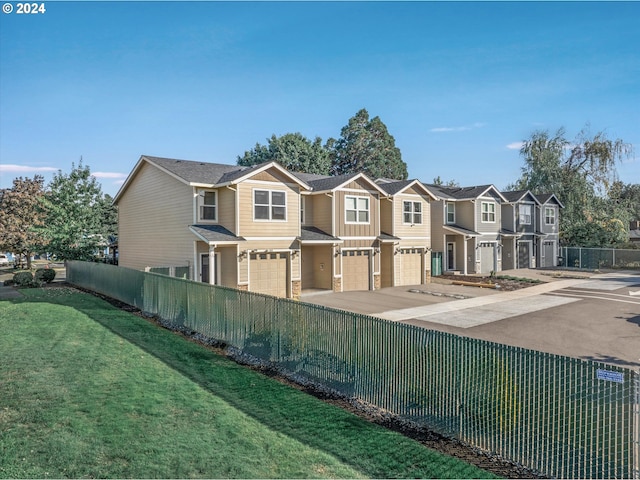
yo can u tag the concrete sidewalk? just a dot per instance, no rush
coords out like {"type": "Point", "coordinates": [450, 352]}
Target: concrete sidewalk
{"type": "Point", "coordinates": [7, 293]}
{"type": "Point", "coordinates": [488, 308]}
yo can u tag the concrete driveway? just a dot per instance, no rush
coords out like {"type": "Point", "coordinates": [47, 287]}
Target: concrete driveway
{"type": "Point", "coordinates": [592, 317]}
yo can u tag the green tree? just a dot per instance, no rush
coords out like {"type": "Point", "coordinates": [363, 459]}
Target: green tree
{"type": "Point", "coordinates": [293, 151]}
{"type": "Point", "coordinates": [450, 183]}
{"type": "Point", "coordinates": [20, 217]}
{"type": "Point", "coordinates": [365, 145]}
{"type": "Point", "coordinates": [75, 211]}
{"type": "Point", "coordinates": [581, 173]}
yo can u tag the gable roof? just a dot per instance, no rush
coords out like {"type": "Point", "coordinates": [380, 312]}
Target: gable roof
{"type": "Point", "coordinates": [204, 174]}
{"type": "Point", "coordinates": [326, 183]}
{"type": "Point", "coordinates": [394, 187]}
{"type": "Point", "coordinates": [463, 193]}
{"type": "Point", "coordinates": [547, 197]}
{"type": "Point", "coordinates": [518, 196]}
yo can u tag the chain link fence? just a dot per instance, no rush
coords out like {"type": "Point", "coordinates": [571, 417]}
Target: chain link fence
{"type": "Point", "coordinates": [595, 258]}
{"type": "Point", "coordinates": [560, 416]}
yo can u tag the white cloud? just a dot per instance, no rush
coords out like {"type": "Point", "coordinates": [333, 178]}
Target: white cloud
{"type": "Point", "coordinates": [9, 168]}
{"type": "Point", "coordinates": [463, 128]}
{"type": "Point", "coordinates": [113, 175]}
{"type": "Point", "coordinates": [515, 145]}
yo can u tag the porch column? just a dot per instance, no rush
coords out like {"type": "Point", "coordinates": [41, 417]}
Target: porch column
{"type": "Point", "coordinates": [464, 258]}
{"type": "Point", "coordinates": [212, 265]}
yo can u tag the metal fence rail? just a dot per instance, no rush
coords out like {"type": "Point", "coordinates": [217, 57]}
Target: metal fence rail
{"type": "Point", "coordinates": [564, 417]}
{"type": "Point", "coordinates": [594, 258]}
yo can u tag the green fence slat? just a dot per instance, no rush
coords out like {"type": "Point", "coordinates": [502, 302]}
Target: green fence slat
{"type": "Point", "coordinates": [560, 416]}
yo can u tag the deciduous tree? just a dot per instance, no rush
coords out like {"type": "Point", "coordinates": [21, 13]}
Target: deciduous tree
{"type": "Point", "coordinates": [293, 151]}
{"type": "Point", "coordinates": [75, 209]}
{"type": "Point", "coordinates": [20, 216]}
{"type": "Point", "coordinates": [581, 173]}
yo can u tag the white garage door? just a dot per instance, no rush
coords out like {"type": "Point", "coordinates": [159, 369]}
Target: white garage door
{"type": "Point", "coordinates": [487, 258]}
{"type": "Point", "coordinates": [410, 267]}
{"type": "Point", "coordinates": [268, 273]}
{"type": "Point", "coordinates": [355, 269]}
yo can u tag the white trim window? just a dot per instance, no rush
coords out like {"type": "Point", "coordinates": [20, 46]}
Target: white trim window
{"type": "Point", "coordinates": [549, 216]}
{"type": "Point", "coordinates": [303, 202]}
{"type": "Point", "coordinates": [269, 205]}
{"type": "Point", "coordinates": [412, 212]}
{"type": "Point", "coordinates": [207, 206]}
{"type": "Point", "coordinates": [488, 212]}
{"type": "Point", "coordinates": [356, 209]}
{"type": "Point", "coordinates": [451, 212]}
{"type": "Point", "coordinates": [524, 214]}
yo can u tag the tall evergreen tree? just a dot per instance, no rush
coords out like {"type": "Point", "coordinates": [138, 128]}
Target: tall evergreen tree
{"type": "Point", "coordinates": [365, 145]}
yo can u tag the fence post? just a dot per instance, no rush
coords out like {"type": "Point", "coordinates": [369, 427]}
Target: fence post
{"type": "Point", "coordinates": [635, 447]}
{"type": "Point", "coordinates": [613, 260]}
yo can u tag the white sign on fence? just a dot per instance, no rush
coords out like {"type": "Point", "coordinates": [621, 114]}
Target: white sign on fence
{"type": "Point", "coordinates": [610, 376]}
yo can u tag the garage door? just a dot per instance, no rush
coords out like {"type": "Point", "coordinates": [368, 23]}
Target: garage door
{"type": "Point", "coordinates": [355, 269]}
{"type": "Point", "coordinates": [523, 255]}
{"type": "Point", "coordinates": [487, 255]}
{"type": "Point", "coordinates": [268, 273]}
{"type": "Point", "coordinates": [410, 272]}
{"type": "Point", "coordinates": [547, 254]}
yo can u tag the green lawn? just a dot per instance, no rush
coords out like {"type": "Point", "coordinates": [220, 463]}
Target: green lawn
{"type": "Point", "coordinates": [87, 390]}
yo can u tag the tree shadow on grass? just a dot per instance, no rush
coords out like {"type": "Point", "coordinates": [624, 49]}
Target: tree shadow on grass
{"type": "Point", "coordinates": [375, 451]}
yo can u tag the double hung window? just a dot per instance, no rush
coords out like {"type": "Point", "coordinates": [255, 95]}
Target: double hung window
{"type": "Point", "coordinates": [488, 212]}
{"type": "Point", "coordinates": [549, 216]}
{"type": "Point", "coordinates": [357, 209]}
{"type": "Point", "coordinates": [525, 214]}
{"type": "Point", "coordinates": [451, 212]}
{"type": "Point", "coordinates": [269, 205]}
{"type": "Point", "coordinates": [207, 204]}
{"type": "Point", "coordinates": [412, 212]}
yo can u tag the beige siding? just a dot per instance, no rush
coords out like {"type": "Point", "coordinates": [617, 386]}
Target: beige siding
{"type": "Point", "coordinates": [412, 230]}
{"type": "Point", "coordinates": [265, 228]}
{"type": "Point", "coordinates": [354, 229]}
{"type": "Point", "coordinates": [154, 217]}
{"type": "Point", "coordinates": [228, 266]}
{"type": "Point", "coordinates": [227, 208]}
{"type": "Point", "coordinates": [319, 212]}
{"type": "Point", "coordinates": [316, 266]}
{"type": "Point", "coordinates": [387, 208]}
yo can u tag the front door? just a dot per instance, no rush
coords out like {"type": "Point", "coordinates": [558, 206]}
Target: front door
{"type": "Point", "coordinates": [451, 256]}
{"type": "Point", "coordinates": [523, 255]}
{"type": "Point", "coordinates": [204, 268]}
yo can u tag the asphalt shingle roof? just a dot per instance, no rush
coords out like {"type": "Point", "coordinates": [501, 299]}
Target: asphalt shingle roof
{"type": "Point", "coordinates": [197, 172]}
{"type": "Point", "coordinates": [215, 233]}
{"type": "Point", "coordinates": [313, 234]}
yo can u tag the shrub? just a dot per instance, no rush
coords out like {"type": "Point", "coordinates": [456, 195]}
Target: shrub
{"type": "Point", "coordinates": [23, 279]}
{"type": "Point", "coordinates": [45, 275]}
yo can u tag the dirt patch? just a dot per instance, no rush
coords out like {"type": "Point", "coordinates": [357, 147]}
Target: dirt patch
{"type": "Point", "coordinates": [487, 461]}
{"type": "Point", "coordinates": [504, 283]}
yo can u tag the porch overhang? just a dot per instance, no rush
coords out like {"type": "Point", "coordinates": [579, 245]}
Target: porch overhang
{"type": "Point", "coordinates": [461, 231]}
{"type": "Point", "coordinates": [215, 235]}
{"type": "Point", "coordinates": [510, 233]}
{"type": "Point", "coordinates": [315, 236]}
{"type": "Point", "coordinates": [387, 238]}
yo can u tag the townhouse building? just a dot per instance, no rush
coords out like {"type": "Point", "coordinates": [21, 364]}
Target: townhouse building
{"type": "Point", "coordinates": [268, 230]}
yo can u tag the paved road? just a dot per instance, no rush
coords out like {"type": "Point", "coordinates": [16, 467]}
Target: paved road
{"type": "Point", "coordinates": [592, 318]}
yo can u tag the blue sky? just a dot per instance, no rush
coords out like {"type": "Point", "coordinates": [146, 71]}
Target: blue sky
{"type": "Point", "coordinates": [458, 84]}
